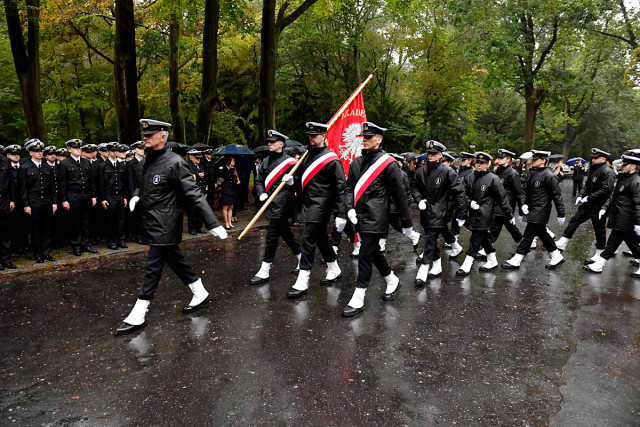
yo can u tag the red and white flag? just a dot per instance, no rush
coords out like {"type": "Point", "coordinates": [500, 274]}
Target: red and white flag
{"type": "Point", "coordinates": [344, 135]}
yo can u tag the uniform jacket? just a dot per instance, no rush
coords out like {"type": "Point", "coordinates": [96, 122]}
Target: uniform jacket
{"type": "Point", "coordinates": [512, 186]}
{"type": "Point", "coordinates": [374, 205]}
{"type": "Point", "coordinates": [407, 189]}
{"type": "Point", "coordinates": [76, 180]}
{"type": "Point", "coordinates": [166, 185]}
{"type": "Point", "coordinates": [578, 172]}
{"type": "Point", "coordinates": [7, 185]}
{"type": "Point", "coordinates": [279, 207]}
{"type": "Point", "coordinates": [195, 170]}
{"type": "Point", "coordinates": [598, 188]}
{"type": "Point", "coordinates": [487, 190]}
{"type": "Point", "coordinates": [437, 183]}
{"type": "Point", "coordinates": [464, 171]}
{"type": "Point", "coordinates": [112, 181]}
{"type": "Point", "coordinates": [623, 205]}
{"type": "Point", "coordinates": [541, 188]}
{"type": "Point", "coordinates": [36, 186]}
{"type": "Point", "coordinates": [229, 180]}
{"type": "Point", "coordinates": [324, 191]}
{"type": "Point", "coordinates": [17, 196]}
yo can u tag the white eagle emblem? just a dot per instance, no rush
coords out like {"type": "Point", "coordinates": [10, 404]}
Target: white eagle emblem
{"type": "Point", "coordinates": [352, 146]}
{"type": "Point", "coordinates": [156, 179]}
{"type": "Point", "coordinates": [621, 188]}
{"type": "Point", "coordinates": [537, 184]}
{"type": "Point", "coordinates": [483, 187]}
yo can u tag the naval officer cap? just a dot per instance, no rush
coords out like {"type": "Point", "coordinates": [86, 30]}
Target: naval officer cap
{"type": "Point", "coordinates": [123, 148]}
{"type": "Point", "coordinates": [630, 160]}
{"type": "Point", "coordinates": [481, 156]}
{"type": "Point", "coordinates": [370, 128]}
{"type": "Point", "coordinates": [137, 144]}
{"type": "Point", "coordinates": [112, 146]}
{"type": "Point", "coordinates": [74, 143]}
{"type": "Point", "coordinates": [452, 154]}
{"type": "Point", "coordinates": [1, 148]}
{"type": "Point", "coordinates": [102, 146]}
{"type": "Point", "coordinates": [503, 152]}
{"type": "Point", "coordinates": [35, 145]}
{"type": "Point", "coordinates": [149, 126]}
{"type": "Point", "coordinates": [51, 149]}
{"type": "Point", "coordinates": [89, 148]}
{"type": "Point", "coordinates": [194, 152]}
{"type": "Point", "coordinates": [435, 146]}
{"type": "Point", "coordinates": [274, 135]}
{"type": "Point", "coordinates": [466, 155]}
{"type": "Point", "coordinates": [596, 152]}
{"type": "Point", "coordinates": [315, 128]}
{"type": "Point", "coordinates": [13, 149]}
{"type": "Point", "coordinates": [62, 152]}
{"type": "Point", "coordinates": [540, 154]}
{"type": "Point", "coordinates": [448, 156]}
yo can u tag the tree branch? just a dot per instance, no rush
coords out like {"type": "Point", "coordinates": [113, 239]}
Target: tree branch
{"type": "Point", "coordinates": [89, 45]}
{"type": "Point", "coordinates": [547, 49]}
{"type": "Point", "coordinates": [284, 21]}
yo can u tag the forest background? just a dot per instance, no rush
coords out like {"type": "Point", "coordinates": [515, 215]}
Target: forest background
{"type": "Point", "coordinates": [476, 75]}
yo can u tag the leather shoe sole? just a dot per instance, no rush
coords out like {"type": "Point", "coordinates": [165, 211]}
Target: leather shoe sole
{"type": "Point", "coordinates": [433, 276]}
{"type": "Point", "coordinates": [483, 268]}
{"type": "Point", "coordinates": [627, 253]}
{"type": "Point", "coordinates": [294, 293]}
{"type": "Point", "coordinates": [330, 281]}
{"type": "Point", "coordinates": [192, 308]}
{"type": "Point", "coordinates": [392, 295]}
{"type": "Point", "coordinates": [633, 262]}
{"type": "Point", "coordinates": [461, 272]}
{"type": "Point", "coordinates": [255, 280]}
{"type": "Point", "coordinates": [553, 267]}
{"type": "Point", "coordinates": [420, 283]}
{"type": "Point", "coordinates": [507, 266]}
{"type": "Point", "coordinates": [590, 261]}
{"type": "Point", "coordinates": [587, 269]}
{"type": "Point", "coordinates": [350, 311]}
{"type": "Point", "coordinates": [126, 328]}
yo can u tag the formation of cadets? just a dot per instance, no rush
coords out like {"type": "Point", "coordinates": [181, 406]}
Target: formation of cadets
{"type": "Point", "coordinates": [72, 187]}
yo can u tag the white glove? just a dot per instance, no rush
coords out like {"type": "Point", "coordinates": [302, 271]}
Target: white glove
{"type": "Point", "coordinates": [601, 213]}
{"type": "Point", "coordinates": [512, 221]}
{"type": "Point", "coordinates": [288, 179]}
{"type": "Point", "coordinates": [133, 202]}
{"type": "Point", "coordinates": [578, 201]}
{"type": "Point", "coordinates": [460, 222]}
{"type": "Point", "coordinates": [353, 217]}
{"type": "Point", "coordinates": [561, 220]}
{"type": "Point", "coordinates": [524, 209]}
{"type": "Point", "coordinates": [474, 205]}
{"type": "Point", "coordinates": [636, 228]}
{"type": "Point", "coordinates": [219, 232]}
{"type": "Point", "coordinates": [340, 224]}
{"type": "Point", "coordinates": [407, 231]}
{"type": "Point", "coordinates": [585, 199]}
{"type": "Point", "coordinates": [422, 204]}
{"type": "Point", "coordinates": [263, 197]}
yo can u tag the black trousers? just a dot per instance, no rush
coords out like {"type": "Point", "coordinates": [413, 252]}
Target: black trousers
{"type": "Point", "coordinates": [5, 237]}
{"type": "Point", "coordinates": [577, 186]}
{"type": "Point", "coordinates": [599, 227]}
{"type": "Point", "coordinates": [157, 257]}
{"type": "Point", "coordinates": [349, 230]}
{"type": "Point", "coordinates": [480, 238]}
{"type": "Point", "coordinates": [616, 238]}
{"type": "Point", "coordinates": [19, 226]}
{"type": "Point", "coordinates": [431, 251]}
{"type": "Point", "coordinates": [115, 219]}
{"type": "Point", "coordinates": [279, 227]}
{"type": "Point", "coordinates": [496, 228]}
{"type": "Point", "coordinates": [370, 254]}
{"type": "Point", "coordinates": [79, 220]}
{"type": "Point", "coordinates": [315, 234]}
{"type": "Point", "coordinates": [530, 232]}
{"type": "Point", "coordinates": [41, 230]}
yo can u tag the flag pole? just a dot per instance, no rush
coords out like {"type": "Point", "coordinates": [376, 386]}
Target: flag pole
{"type": "Point", "coordinates": [295, 167]}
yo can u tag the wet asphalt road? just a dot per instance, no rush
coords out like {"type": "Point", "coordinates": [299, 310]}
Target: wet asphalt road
{"type": "Point", "coordinates": [527, 347]}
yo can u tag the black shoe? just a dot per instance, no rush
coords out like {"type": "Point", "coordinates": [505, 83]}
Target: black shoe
{"type": "Point", "coordinates": [590, 261]}
{"type": "Point", "coordinates": [126, 328]}
{"type": "Point", "coordinates": [433, 276]}
{"type": "Point", "coordinates": [113, 246]}
{"type": "Point", "coordinates": [49, 258]}
{"type": "Point", "coordinates": [294, 293]}
{"type": "Point", "coordinates": [461, 272]}
{"type": "Point", "coordinates": [391, 296]}
{"type": "Point", "coordinates": [295, 271]}
{"type": "Point", "coordinates": [193, 232]}
{"type": "Point", "coordinates": [507, 266]}
{"type": "Point", "coordinates": [350, 311]}
{"type": "Point", "coordinates": [586, 268]}
{"type": "Point", "coordinates": [39, 260]}
{"type": "Point", "coordinates": [420, 283]}
{"type": "Point", "coordinates": [553, 267]}
{"type": "Point", "coordinates": [90, 250]}
{"type": "Point", "coordinates": [633, 262]}
{"type": "Point", "coordinates": [330, 281]}
{"type": "Point", "coordinates": [201, 231]}
{"type": "Point", "coordinates": [419, 260]}
{"type": "Point", "coordinates": [447, 246]}
{"type": "Point", "coordinates": [191, 308]}
{"type": "Point", "coordinates": [255, 280]}
{"type": "Point", "coordinates": [415, 247]}
{"type": "Point", "coordinates": [77, 252]}
{"type": "Point", "coordinates": [122, 245]}
{"type": "Point", "coordinates": [9, 265]}
{"type": "Point", "coordinates": [627, 253]}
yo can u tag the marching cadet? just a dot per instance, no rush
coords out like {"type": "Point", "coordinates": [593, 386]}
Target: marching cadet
{"type": "Point", "coordinates": [77, 193]}
{"type": "Point", "coordinates": [623, 209]}
{"type": "Point", "coordinates": [435, 185]}
{"type": "Point", "coordinates": [484, 190]}
{"type": "Point", "coordinates": [320, 182]}
{"type": "Point", "coordinates": [374, 179]}
{"type": "Point", "coordinates": [541, 189]}
{"type": "Point", "coordinates": [577, 177]}
{"type": "Point", "coordinates": [595, 193]}
{"type": "Point", "coordinates": [37, 189]}
{"type": "Point", "coordinates": [274, 166]}
{"type": "Point", "coordinates": [90, 152]}
{"type": "Point", "coordinates": [165, 185]}
{"type": "Point", "coordinates": [112, 190]}
{"type": "Point", "coordinates": [61, 154]}
{"type": "Point", "coordinates": [467, 161]}
{"type": "Point", "coordinates": [18, 220]}
{"type": "Point", "coordinates": [513, 188]}
{"type": "Point", "coordinates": [7, 205]}
{"type": "Point", "coordinates": [103, 152]}
{"type": "Point", "coordinates": [194, 220]}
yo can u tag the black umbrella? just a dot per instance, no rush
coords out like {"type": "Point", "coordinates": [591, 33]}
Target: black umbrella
{"type": "Point", "coordinates": [233, 150]}
{"type": "Point", "coordinates": [295, 149]}
{"type": "Point", "coordinates": [409, 155]}
{"type": "Point", "coordinates": [201, 146]}
{"type": "Point", "coordinates": [263, 149]}
{"type": "Point", "coordinates": [291, 143]}
{"type": "Point", "coordinates": [178, 148]}
{"type": "Point", "coordinates": [556, 156]}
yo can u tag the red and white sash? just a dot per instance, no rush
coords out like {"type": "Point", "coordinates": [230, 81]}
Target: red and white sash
{"type": "Point", "coordinates": [370, 175]}
{"type": "Point", "coordinates": [317, 166]}
{"type": "Point", "coordinates": [277, 172]}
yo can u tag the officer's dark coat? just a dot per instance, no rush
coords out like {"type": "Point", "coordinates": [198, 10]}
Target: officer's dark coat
{"type": "Point", "coordinates": [76, 180]}
{"type": "Point", "coordinates": [7, 185]}
{"type": "Point", "coordinates": [623, 206]}
{"type": "Point", "coordinates": [166, 185]}
{"type": "Point", "coordinates": [598, 188]}
{"type": "Point", "coordinates": [196, 170]}
{"type": "Point", "coordinates": [374, 205]}
{"type": "Point", "coordinates": [541, 188]}
{"type": "Point", "coordinates": [578, 172]}
{"type": "Point", "coordinates": [512, 186]}
{"type": "Point", "coordinates": [36, 186]}
{"type": "Point", "coordinates": [279, 207]}
{"type": "Point", "coordinates": [487, 190]}
{"type": "Point", "coordinates": [112, 181]}
{"type": "Point", "coordinates": [436, 183]}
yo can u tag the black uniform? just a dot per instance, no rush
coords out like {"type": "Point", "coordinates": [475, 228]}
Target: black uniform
{"type": "Point", "coordinates": [7, 195]}
{"type": "Point", "coordinates": [373, 210]}
{"type": "Point", "coordinates": [623, 210]}
{"type": "Point", "coordinates": [436, 183]}
{"type": "Point", "coordinates": [541, 188]}
{"type": "Point", "coordinates": [462, 173]}
{"type": "Point", "coordinates": [578, 178]}
{"type": "Point", "coordinates": [194, 220]}
{"type": "Point", "coordinates": [37, 190]}
{"type": "Point", "coordinates": [513, 188]}
{"type": "Point", "coordinates": [278, 209]}
{"type": "Point", "coordinates": [132, 219]}
{"type": "Point", "coordinates": [113, 187]}
{"type": "Point", "coordinates": [76, 181]}
{"type": "Point", "coordinates": [18, 220]}
{"type": "Point", "coordinates": [600, 183]}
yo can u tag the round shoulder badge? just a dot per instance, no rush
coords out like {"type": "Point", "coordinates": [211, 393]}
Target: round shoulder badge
{"type": "Point", "coordinates": [156, 179]}
{"type": "Point", "coordinates": [621, 188]}
{"type": "Point", "coordinates": [483, 187]}
{"type": "Point", "coordinates": [537, 184]}
{"type": "Point", "coordinates": [594, 179]}
{"type": "Point", "coordinates": [438, 180]}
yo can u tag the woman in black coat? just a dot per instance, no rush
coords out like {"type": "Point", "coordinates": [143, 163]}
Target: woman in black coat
{"type": "Point", "coordinates": [229, 178]}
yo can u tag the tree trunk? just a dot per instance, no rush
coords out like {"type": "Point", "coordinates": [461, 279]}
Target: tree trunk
{"type": "Point", "coordinates": [209, 71]}
{"type": "Point", "coordinates": [356, 62]}
{"type": "Point", "coordinates": [268, 63]}
{"type": "Point", "coordinates": [175, 30]}
{"type": "Point", "coordinates": [126, 77]}
{"type": "Point", "coordinates": [27, 63]}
